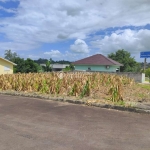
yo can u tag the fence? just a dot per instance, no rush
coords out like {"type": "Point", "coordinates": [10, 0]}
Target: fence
{"type": "Point", "coordinates": [138, 77]}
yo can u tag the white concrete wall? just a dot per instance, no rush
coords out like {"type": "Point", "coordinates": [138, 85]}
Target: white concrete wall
{"type": "Point", "coordinates": [138, 77]}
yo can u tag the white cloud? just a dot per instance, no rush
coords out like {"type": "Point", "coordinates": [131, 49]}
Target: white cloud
{"type": "Point", "coordinates": [67, 55]}
{"type": "Point", "coordinates": [46, 22]}
{"type": "Point", "coordinates": [79, 46]}
{"type": "Point", "coordinates": [8, 0]}
{"type": "Point", "coordinates": [74, 56]}
{"type": "Point", "coordinates": [33, 57]}
{"type": "Point", "coordinates": [8, 10]}
{"type": "Point", "coordinates": [16, 46]}
{"type": "Point", "coordinates": [132, 41]}
{"type": "Point", "coordinates": [53, 53]}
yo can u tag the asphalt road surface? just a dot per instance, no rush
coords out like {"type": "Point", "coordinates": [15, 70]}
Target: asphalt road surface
{"type": "Point", "coordinates": [35, 124]}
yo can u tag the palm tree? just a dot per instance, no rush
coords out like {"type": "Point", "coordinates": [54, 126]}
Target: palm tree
{"type": "Point", "coordinates": [47, 68]}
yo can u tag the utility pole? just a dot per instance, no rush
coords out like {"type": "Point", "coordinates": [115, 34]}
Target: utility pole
{"type": "Point", "coordinates": [144, 64]}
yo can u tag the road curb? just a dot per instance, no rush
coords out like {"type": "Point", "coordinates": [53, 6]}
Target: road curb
{"type": "Point", "coordinates": [107, 106]}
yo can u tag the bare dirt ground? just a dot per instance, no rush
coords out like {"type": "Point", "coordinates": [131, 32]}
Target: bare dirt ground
{"type": "Point", "coordinates": [36, 124]}
{"type": "Point", "coordinates": [131, 94]}
{"type": "Point", "coordinates": [137, 93]}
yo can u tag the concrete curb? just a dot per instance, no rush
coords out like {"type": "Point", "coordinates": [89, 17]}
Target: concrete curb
{"type": "Point", "coordinates": [116, 107]}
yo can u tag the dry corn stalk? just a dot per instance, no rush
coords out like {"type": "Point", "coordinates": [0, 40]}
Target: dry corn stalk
{"type": "Point", "coordinates": [74, 84]}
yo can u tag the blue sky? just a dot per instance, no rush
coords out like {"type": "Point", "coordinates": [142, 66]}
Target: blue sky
{"type": "Point", "coordinates": [74, 29]}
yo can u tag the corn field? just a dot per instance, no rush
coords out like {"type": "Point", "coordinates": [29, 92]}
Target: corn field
{"type": "Point", "coordinates": [67, 84]}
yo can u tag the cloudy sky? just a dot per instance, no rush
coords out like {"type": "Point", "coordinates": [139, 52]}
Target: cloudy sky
{"type": "Point", "coordinates": [74, 29]}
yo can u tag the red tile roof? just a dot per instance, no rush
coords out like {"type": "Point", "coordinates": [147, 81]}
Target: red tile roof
{"type": "Point", "coordinates": [97, 59]}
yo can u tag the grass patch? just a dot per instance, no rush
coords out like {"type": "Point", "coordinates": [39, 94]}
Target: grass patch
{"type": "Point", "coordinates": [147, 79]}
{"type": "Point", "coordinates": [145, 86]}
{"type": "Point", "coordinates": [120, 103]}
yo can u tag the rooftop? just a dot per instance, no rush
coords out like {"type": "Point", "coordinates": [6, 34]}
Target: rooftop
{"type": "Point", "coordinates": [97, 59]}
{"type": "Point", "coordinates": [8, 61]}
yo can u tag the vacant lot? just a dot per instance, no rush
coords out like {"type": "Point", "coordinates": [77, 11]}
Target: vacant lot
{"type": "Point", "coordinates": [96, 87]}
{"type": "Point", "coordinates": [34, 124]}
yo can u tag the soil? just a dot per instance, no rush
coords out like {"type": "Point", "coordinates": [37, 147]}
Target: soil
{"type": "Point", "coordinates": [132, 94]}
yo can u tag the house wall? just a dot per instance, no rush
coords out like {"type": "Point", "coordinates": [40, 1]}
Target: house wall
{"type": "Point", "coordinates": [5, 67]}
{"type": "Point", "coordinates": [96, 68]}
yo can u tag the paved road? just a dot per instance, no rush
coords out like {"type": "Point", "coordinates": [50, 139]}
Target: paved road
{"type": "Point", "coordinates": [34, 124]}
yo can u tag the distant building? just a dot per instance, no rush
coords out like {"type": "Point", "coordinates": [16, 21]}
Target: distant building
{"type": "Point", "coordinates": [6, 66]}
{"type": "Point", "coordinates": [56, 67]}
{"type": "Point", "coordinates": [97, 62]}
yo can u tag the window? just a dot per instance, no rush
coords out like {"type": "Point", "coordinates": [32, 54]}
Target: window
{"type": "Point", "coordinates": [89, 68]}
{"type": "Point", "coordinates": [107, 67]}
{"type": "Point", "coordinates": [6, 68]}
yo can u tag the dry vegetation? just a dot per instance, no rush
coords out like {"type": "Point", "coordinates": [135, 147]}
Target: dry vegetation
{"type": "Point", "coordinates": [92, 85]}
{"type": "Point", "coordinates": [137, 93]}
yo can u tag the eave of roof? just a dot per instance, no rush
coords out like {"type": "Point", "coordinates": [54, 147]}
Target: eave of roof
{"type": "Point", "coordinates": [97, 59]}
{"type": "Point", "coordinates": [8, 61]}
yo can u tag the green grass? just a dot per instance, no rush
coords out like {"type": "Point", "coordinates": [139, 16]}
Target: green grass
{"type": "Point", "coordinates": [141, 95]}
{"type": "Point", "coordinates": [146, 79]}
{"type": "Point", "coordinates": [145, 86]}
{"type": "Point", "coordinates": [122, 103]}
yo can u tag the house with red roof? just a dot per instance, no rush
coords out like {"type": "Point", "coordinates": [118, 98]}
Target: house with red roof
{"type": "Point", "coordinates": [97, 62]}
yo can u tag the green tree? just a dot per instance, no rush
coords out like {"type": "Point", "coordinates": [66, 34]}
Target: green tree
{"type": "Point", "coordinates": [20, 67]}
{"type": "Point", "coordinates": [62, 62]}
{"type": "Point", "coordinates": [31, 66]}
{"type": "Point", "coordinates": [9, 55]}
{"type": "Point", "coordinates": [26, 66]}
{"type": "Point", "coordinates": [47, 67]}
{"type": "Point", "coordinates": [23, 66]}
{"type": "Point", "coordinates": [69, 68]}
{"type": "Point", "coordinates": [147, 73]}
{"type": "Point", "coordinates": [39, 68]}
{"type": "Point", "coordinates": [41, 61]}
{"type": "Point", "coordinates": [124, 57]}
